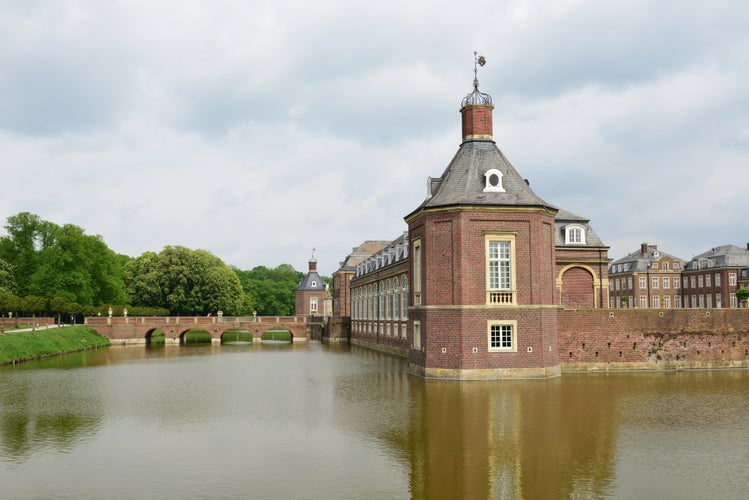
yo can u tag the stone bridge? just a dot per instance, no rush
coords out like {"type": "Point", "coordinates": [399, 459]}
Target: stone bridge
{"type": "Point", "coordinates": [138, 330]}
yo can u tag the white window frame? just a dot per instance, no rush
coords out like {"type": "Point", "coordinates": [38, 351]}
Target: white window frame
{"type": "Point", "coordinates": [574, 234]}
{"type": "Point", "coordinates": [417, 271]}
{"type": "Point", "coordinates": [500, 270]}
{"type": "Point", "coordinates": [503, 326]}
{"type": "Point", "coordinates": [313, 305]}
{"type": "Point", "coordinates": [493, 188]}
{"type": "Point", "coordinates": [417, 336]}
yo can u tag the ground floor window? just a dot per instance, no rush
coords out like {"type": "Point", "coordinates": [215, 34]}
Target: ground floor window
{"type": "Point", "coordinates": [417, 335]}
{"type": "Point", "coordinates": [502, 335]}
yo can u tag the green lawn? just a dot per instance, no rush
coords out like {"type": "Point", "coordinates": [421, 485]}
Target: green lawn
{"type": "Point", "coordinates": [21, 346]}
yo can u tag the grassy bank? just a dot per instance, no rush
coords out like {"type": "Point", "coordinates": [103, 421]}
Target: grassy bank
{"type": "Point", "coordinates": [23, 346]}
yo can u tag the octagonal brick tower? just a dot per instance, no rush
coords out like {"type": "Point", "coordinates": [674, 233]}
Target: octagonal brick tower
{"type": "Point", "coordinates": [482, 266]}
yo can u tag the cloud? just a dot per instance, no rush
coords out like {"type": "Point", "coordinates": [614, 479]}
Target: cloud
{"type": "Point", "coordinates": [258, 130]}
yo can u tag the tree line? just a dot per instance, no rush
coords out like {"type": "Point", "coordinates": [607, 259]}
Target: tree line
{"type": "Point", "coordinates": [48, 269]}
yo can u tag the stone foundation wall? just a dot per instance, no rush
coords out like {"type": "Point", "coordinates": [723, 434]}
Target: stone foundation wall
{"type": "Point", "coordinates": [633, 339]}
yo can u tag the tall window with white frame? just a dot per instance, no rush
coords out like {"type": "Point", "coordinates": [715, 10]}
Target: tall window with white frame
{"type": "Point", "coordinates": [417, 272]}
{"type": "Point", "coordinates": [404, 298]}
{"type": "Point", "coordinates": [417, 335]}
{"type": "Point", "coordinates": [396, 299]}
{"type": "Point", "coordinates": [313, 305]}
{"type": "Point", "coordinates": [388, 303]}
{"type": "Point", "coordinates": [500, 263]}
{"type": "Point", "coordinates": [502, 336]}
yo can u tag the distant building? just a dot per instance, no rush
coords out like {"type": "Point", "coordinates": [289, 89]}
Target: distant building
{"type": "Point", "coordinates": [646, 278]}
{"type": "Point", "coordinates": [312, 295]}
{"type": "Point", "coordinates": [710, 279]}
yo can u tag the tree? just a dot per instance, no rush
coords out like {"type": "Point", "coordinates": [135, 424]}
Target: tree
{"type": "Point", "coordinates": [184, 281]}
{"type": "Point", "coordinates": [61, 261]}
{"type": "Point", "coordinates": [272, 292]}
{"type": "Point", "coordinates": [79, 268]}
{"type": "Point", "coordinates": [7, 278]}
{"type": "Point", "coordinates": [742, 294]}
{"type": "Point", "coordinates": [27, 235]}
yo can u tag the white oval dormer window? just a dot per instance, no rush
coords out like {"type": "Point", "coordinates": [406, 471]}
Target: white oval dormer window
{"type": "Point", "coordinates": [574, 235]}
{"type": "Point", "coordinates": [493, 181]}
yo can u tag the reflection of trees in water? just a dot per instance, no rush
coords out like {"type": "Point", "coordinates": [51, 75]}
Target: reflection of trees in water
{"type": "Point", "coordinates": [37, 412]}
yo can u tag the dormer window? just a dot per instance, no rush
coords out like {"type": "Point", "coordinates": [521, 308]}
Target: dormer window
{"type": "Point", "coordinates": [313, 283]}
{"type": "Point", "coordinates": [574, 235]}
{"type": "Point", "coordinates": [493, 181]}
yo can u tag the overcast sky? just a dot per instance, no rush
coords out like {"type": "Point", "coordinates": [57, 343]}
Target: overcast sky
{"type": "Point", "coordinates": [259, 130]}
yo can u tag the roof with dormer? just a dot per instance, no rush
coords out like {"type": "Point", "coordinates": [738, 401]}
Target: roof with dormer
{"type": "Point", "coordinates": [564, 219]}
{"type": "Point", "coordinates": [361, 253]}
{"type": "Point", "coordinates": [639, 261]}
{"type": "Point", "coordinates": [719, 257]}
{"type": "Point", "coordinates": [464, 180]}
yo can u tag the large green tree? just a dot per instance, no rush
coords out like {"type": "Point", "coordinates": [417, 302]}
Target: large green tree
{"type": "Point", "coordinates": [61, 261]}
{"type": "Point", "coordinates": [185, 281]}
{"type": "Point", "coordinates": [7, 277]}
{"type": "Point", "coordinates": [272, 291]}
{"type": "Point", "coordinates": [27, 236]}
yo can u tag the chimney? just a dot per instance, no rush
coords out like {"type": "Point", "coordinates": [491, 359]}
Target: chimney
{"type": "Point", "coordinates": [644, 249]}
{"type": "Point", "coordinates": [313, 266]}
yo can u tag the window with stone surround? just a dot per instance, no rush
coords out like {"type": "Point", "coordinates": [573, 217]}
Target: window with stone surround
{"type": "Point", "coordinates": [502, 335]}
{"type": "Point", "coordinates": [396, 298]}
{"type": "Point", "coordinates": [313, 304]}
{"type": "Point", "coordinates": [404, 298]}
{"type": "Point", "coordinates": [417, 271]}
{"type": "Point", "coordinates": [500, 269]}
{"type": "Point", "coordinates": [643, 283]}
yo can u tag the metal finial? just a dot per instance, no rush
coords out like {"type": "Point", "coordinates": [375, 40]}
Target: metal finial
{"type": "Point", "coordinates": [477, 97]}
{"type": "Point", "coordinates": [480, 61]}
{"type": "Point", "coordinates": [313, 253]}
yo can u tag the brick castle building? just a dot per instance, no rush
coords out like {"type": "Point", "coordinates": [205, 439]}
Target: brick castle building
{"type": "Point", "coordinates": [472, 290]}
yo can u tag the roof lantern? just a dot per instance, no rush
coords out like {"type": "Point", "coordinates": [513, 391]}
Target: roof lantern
{"type": "Point", "coordinates": [476, 109]}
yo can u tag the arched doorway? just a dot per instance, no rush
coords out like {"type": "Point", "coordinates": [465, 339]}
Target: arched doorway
{"type": "Point", "coordinates": [578, 288]}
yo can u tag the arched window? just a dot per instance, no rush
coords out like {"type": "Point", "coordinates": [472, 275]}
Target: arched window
{"type": "Point", "coordinates": [312, 305]}
{"type": "Point", "coordinates": [396, 299]}
{"type": "Point", "coordinates": [388, 312]}
{"type": "Point", "coordinates": [381, 302]}
{"type": "Point", "coordinates": [493, 181]}
{"type": "Point", "coordinates": [574, 234]}
{"type": "Point", "coordinates": [404, 298]}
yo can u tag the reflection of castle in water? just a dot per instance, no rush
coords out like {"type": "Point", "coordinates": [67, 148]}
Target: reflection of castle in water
{"type": "Point", "coordinates": [519, 439]}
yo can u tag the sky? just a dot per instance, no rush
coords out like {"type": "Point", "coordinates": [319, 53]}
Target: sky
{"type": "Point", "coordinates": [261, 130]}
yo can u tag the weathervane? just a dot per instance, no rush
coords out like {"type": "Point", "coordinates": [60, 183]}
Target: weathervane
{"type": "Point", "coordinates": [480, 60]}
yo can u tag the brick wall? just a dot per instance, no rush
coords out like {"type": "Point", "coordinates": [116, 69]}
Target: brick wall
{"type": "Point", "coordinates": [597, 339]}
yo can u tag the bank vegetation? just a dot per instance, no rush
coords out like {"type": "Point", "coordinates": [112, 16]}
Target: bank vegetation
{"type": "Point", "coordinates": [27, 345]}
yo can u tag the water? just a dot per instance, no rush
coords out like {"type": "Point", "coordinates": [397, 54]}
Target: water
{"type": "Point", "coordinates": [317, 421]}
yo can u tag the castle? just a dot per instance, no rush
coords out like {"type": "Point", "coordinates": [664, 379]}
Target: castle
{"type": "Point", "coordinates": [473, 289]}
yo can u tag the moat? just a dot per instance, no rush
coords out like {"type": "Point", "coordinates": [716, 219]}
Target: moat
{"type": "Point", "coordinates": [311, 420]}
